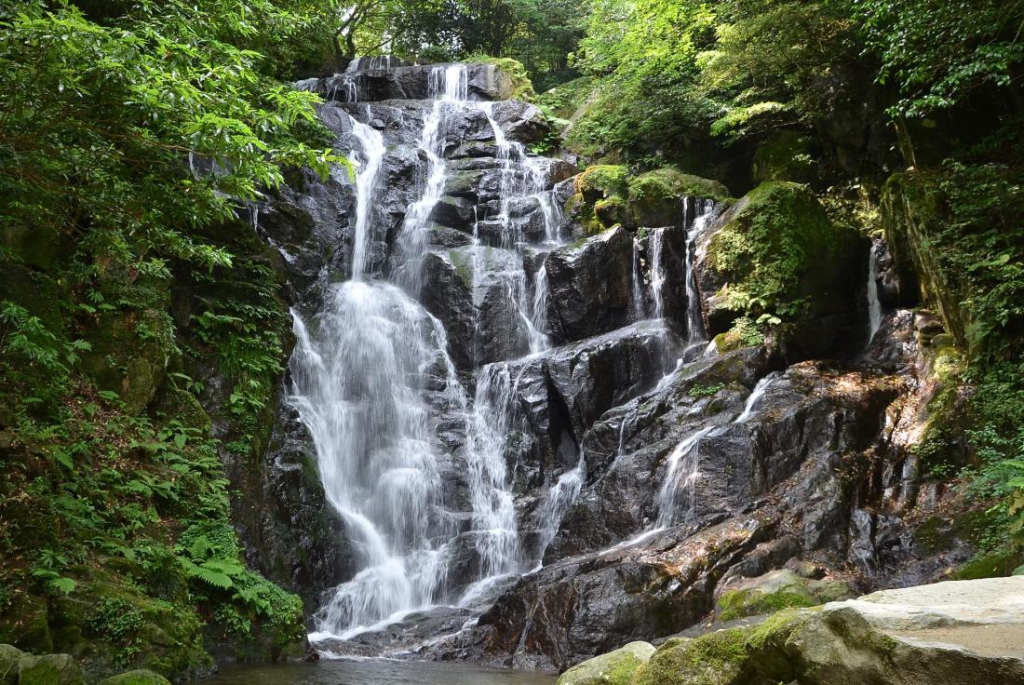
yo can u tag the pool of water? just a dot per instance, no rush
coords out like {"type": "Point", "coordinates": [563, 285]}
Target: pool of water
{"type": "Point", "coordinates": [375, 672]}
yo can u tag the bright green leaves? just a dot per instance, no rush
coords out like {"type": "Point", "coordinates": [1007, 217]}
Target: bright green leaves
{"type": "Point", "coordinates": [937, 51]}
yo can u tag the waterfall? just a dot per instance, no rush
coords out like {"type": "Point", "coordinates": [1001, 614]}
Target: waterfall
{"type": "Point", "coordinates": [682, 473]}
{"type": "Point", "coordinates": [639, 312]}
{"type": "Point", "coordinates": [658, 272]}
{"type": "Point", "coordinates": [359, 376]}
{"type": "Point", "coordinates": [560, 498]}
{"type": "Point", "coordinates": [357, 386]}
{"type": "Point", "coordinates": [373, 150]}
{"type": "Point", "coordinates": [540, 300]}
{"type": "Point", "coordinates": [758, 392]}
{"type": "Point", "coordinates": [695, 330]}
{"type": "Point", "coordinates": [448, 86]}
{"type": "Point", "coordinates": [371, 371]}
{"type": "Point", "coordinates": [874, 304]}
{"type": "Point", "coordinates": [494, 519]}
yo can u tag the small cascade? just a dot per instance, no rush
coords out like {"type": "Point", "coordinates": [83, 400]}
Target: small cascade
{"type": "Point", "coordinates": [679, 489]}
{"type": "Point", "coordinates": [658, 272]}
{"type": "Point", "coordinates": [372, 144]}
{"type": "Point", "coordinates": [448, 85]}
{"type": "Point", "coordinates": [874, 304]}
{"type": "Point", "coordinates": [758, 392]}
{"type": "Point", "coordinates": [639, 307]}
{"type": "Point", "coordinates": [562, 495]}
{"type": "Point", "coordinates": [496, 536]}
{"type": "Point", "coordinates": [540, 302]}
{"type": "Point", "coordinates": [695, 330]}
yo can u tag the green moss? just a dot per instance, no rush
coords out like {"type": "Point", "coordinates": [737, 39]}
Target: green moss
{"type": "Point", "coordinates": [136, 677]}
{"type": "Point", "coordinates": [740, 603]}
{"type": "Point", "coordinates": [602, 181]}
{"type": "Point", "coordinates": [49, 669]}
{"type": "Point", "coordinates": [669, 183]}
{"type": "Point", "coordinates": [522, 87]}
{"type": "Point", "coordinates": [996, 564]}
{"type": "Point", "coordinates": [713, 659]}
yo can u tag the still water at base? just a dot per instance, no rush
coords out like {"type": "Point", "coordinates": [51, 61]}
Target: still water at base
{"type": "Point", "coordinates": [376, 672]}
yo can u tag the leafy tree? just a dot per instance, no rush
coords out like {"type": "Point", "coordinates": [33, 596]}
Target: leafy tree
{"type": "Point", "coordinates": [938, 51]}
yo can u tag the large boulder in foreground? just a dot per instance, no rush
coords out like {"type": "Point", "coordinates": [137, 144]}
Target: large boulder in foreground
{"type": "Point", "coordinates": [954, 633]}
{"type": "Point", "coordinates": [775, 258]}
{"type": "Point", "coordinates": [614, 668]}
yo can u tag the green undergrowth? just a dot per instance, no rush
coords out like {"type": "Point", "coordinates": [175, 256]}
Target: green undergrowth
{"type": "Point", "coordinates": [114, 505]}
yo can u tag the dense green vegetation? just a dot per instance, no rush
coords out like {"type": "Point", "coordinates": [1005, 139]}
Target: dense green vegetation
{"type": "Point", "coordinates": [128, 281]}
{"type": "Point", "coordinates": [114, 509]}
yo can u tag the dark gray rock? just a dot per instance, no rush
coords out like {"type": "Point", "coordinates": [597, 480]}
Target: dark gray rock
{"type": "Point", "coordinates": [590, 285]}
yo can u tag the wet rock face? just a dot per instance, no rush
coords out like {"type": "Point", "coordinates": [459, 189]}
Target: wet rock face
{"type": "Point", "coordinates": [293, 534]}
{"type": "Point", "coordinates": [590, 285]}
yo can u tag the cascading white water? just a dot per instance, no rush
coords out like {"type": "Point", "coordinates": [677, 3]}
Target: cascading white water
{"type": "Point", "coordinates": [496, 536]}
{"type": "Point", "coordinates": [639, 312]}
{"type": "Point", "coordinates": [373, 150]}
{"type": "Point", "coordinates": [658, 272]}
{"type": "Point", "coordinates": [357, 388]}
{"type": "Point", "coordinates": [874, 304]}
{"type": "Point", "coordinates": [358, 379]}
{"type": "Point", "coordinates": [682, 472]}
{"type": "Point", "coordinates": [540, 301]}
{"type": "Point", "coordinates": [758, 392]}
{"type": "Point", "coordinates": [561, 497]}
{"type": "Point", "coordinates": [694, 317]}
{"type": "Point", "coordinates": [448, 87]}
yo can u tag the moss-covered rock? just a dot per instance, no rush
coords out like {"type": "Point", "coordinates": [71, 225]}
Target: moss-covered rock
{"type": "Point", "coordinates": [777, 259]}
{"type": "Point", "coordinates": [614, 668]}
{"type": "Point", "coordinates": [49, 669]}
{"type": "Point", "coordinates": [9, 658]}
{"type": "Point", "coordinates": [32, 290]}
{"type": "Point", "coordinates": [777, 590]}
{"type": "Point", "coordinates": [750, 654]}
{"type": "Point", "coordinates": [136, 677]}
{"type": "Point", "coordinates": [786, 156]}
{"type": "Point", "coordinates": [607, 195]}
{"type": "Point", "coordinates": [520, 86]}
{"type": "Point", "coordinates": [655, 197]}
{"type": "Point", "coordinates": [107, 621]}
{"type": "Point", "coordinates": [130, 353]}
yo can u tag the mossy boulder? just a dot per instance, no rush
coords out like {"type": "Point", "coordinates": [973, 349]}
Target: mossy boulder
{"type": "Point", "coordinates": [49, 669]}
{"type": "Point", "coordinates": [777, 590]}
{"type": "Point", "coordinates": [137, 677]}
{"type": "Point", "coordinates": [34, 291]}
{"type": "Point", "coordinates": [107, 620]}
{"type": "Point", "coordinates": [655, 197]}
{"type": "Point", "coordinates": [24, 624]}
{"type": "Point", "coordinates": [606, 195]}
{"type": "Point", "coordinates": [776, 259]}
{"type": "Point", "coordinates": [750, 654]}
{"type": "Point", "coordinates": [614, 668]}
{"type": "Point", "coordinates": [520, 87]}
{"type": "Point", "coordinates": [9, 658]}
{"type": "Point", "coordinates": [786, 156]}
{"type": "Point", "coordinates": [130, 353]}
